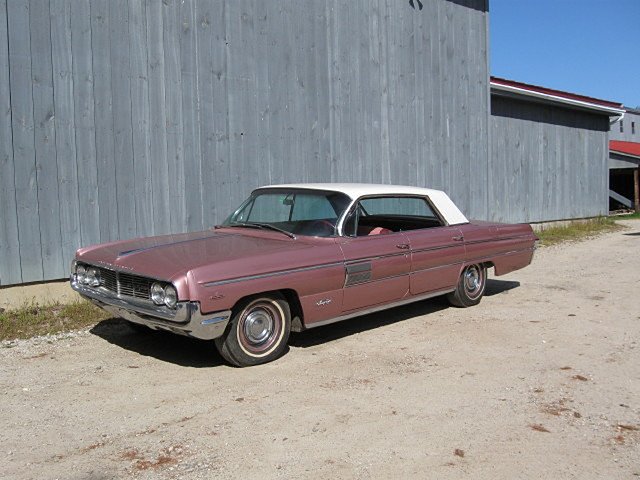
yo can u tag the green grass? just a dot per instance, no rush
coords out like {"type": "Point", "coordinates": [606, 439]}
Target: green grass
{"type": "Point", "coordinates": [32, 319]}
{"type": "Point", "coordinates": [629, 216]}
{"type": "Point", "coordinates": [576, 231]}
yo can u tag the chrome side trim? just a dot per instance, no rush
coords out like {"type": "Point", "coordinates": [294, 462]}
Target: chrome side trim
{"type": "Point", "coordinates": [471, 261]}
{"type": "Point", "coordinates": [498, 239]}
{"type": "Point", "coordinates": [377, 257]}
{"type": "Point", "coordinates": [473, 242]}
{"type": "Point", "coordinates": [503, 254]}
{"type": "Point", "coordinates": [439, 247]}
{"type": "Point", "coordinates": [335, 264]}
{"type": "Point", "coordinates": [378, 308]}
{"type": "Point", "coordinates": [438, 267]}
{"type": "Point", "coordinates": [272, 274]}
{"type": "Point", "coordinates": [364, 282]}
{"type": "Point", "coordinates": [357, 273]}
{"type": "Point", "coordinates": [358, 267]}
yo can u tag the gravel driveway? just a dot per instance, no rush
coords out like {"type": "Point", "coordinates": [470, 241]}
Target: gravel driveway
{"type": "Point", "coordinates": [541, 380]}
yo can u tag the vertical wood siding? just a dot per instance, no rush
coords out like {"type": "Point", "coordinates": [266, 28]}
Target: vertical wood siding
{"type": "Point", "coordinates": [547, 163]}
{"type": "Point", "coordinates": [127, 118]}
{"type": "Point", "coordinates": [629, 134]}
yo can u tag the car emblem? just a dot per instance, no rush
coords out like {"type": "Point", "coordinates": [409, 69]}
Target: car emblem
{"type": "Point", "coordinates": [112, 266]}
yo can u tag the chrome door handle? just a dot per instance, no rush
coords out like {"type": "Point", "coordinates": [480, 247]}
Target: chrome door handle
{"type": "Point", "coordinates": [458, 238]}
{"type": "Point", "coordinates": [403, 246]}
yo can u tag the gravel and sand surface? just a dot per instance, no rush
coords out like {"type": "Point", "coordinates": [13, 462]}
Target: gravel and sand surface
{"type": "Point", "coordinates": [541, 380]}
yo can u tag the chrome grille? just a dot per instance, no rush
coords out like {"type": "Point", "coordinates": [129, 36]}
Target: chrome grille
{"type": "Point", "coordinates": [109, 280]}
{"type": "Point", "coordinates": [125, 283]}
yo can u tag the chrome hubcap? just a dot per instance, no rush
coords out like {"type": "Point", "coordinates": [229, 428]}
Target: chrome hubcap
{"type": "Point", "coordinates": [472, 280]}
{"type": "Point", "coordinates": [258, 326]}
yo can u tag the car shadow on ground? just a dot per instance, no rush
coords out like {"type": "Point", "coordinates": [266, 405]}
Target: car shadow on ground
{"type": "Point", "coordinates": [495, 287]}
{"type": "Point", "coordinates": [352, 326]}
{"type": "Point", "coordinates": [191, 352]}
{"type": "Point", "coordinates": [164, 346]}
{"type": "Point", "coordinates": [356, 325]}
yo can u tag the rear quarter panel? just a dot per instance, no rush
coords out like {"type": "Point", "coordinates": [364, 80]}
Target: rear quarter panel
{"type": "Point", "coordinates": [508, 247]}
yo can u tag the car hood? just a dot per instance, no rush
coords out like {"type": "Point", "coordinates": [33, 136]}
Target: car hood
{"type": "Point", "coordinates": [168, 256]}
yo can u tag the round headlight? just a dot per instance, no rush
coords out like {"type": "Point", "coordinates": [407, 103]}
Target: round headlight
{"type": "Point", "coordinates": [157, 293]}
{"type": "Point", "coordinates": [170, 296]}
{"type": "Point", "coordinates": [81, 273]}
{"type": "Point", "coordinates": [93, 277]}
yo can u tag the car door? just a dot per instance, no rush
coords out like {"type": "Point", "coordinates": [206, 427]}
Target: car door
{"type": "Point", "coordinates": [377, 264]}
{"type": "Point", "coordinates": [437, 256]}
{"type": "Point", "coordinates": [437, 249]}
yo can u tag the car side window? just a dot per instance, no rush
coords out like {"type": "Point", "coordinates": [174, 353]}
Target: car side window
{"type": "Point", "coordinates": [389, 214]}
{"type": "Point", "coordinates": [312, 207]}
{"type": "Point", "coordinates": [409, 206]}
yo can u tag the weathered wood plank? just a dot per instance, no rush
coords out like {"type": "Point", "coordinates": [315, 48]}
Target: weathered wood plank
{"type": "Point", "coordinates": [384, 172]}
{"type": "Point", "coordinates": [24, 152]}
{"type": "Point", "coordinates": [140, 119]}
{"type": "Point", "coordinates": [190, 113]}
{"type": "Point", "coordinates": [64, 103]}
{"type": "Point", "coordinates": [10, 271]}
{"type": "Point", "coordinates": [173, 94]}
{"type": "Point", "coordinates": [126, 184]}
{"type": "Point", "coordinates": [103, 112]}
{"type": "Point", "coordinates": [84, 117]}
{"type": "Point", "coordinates": [45, 140]}
{"type": "Point", "coordinates": [277, 95]}
{"type": "Point", "coordinates": [332, 74]}
{"type": "Point", "coordinates": [301, 116]}
{"type": "Point", "coordinates": [219, 168]}
{"type": "Point", "coordinates": [207, 21]}
{"type": "Point", "coordinates": [237, 87]}
{"type": "Point", "coordinates": [263, 91]}
{"type": "Point", "coordinates": [159, 160]}
{"type": "Point", "coordinates": [243, 51]}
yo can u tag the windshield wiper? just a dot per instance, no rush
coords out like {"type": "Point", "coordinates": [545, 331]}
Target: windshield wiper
{"type": "Point", "coordinates": [267, 226]}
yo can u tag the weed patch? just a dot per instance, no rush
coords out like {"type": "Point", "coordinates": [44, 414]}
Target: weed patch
{"type": "Point", "coordinates": [33, 319]}
{"type": "Point", "coordinates": [577, 231]}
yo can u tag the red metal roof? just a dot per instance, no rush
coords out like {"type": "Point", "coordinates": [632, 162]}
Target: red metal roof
{"type": "Point", "coordinates": [626, 148]}
{"type": "Point", "coordinates": [557, 93]}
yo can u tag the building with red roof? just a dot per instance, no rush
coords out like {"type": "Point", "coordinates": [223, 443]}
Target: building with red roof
{"type": "Point", "coordinates": [624, 161]}
{"type": "Point", "coordinates": [549, 152]}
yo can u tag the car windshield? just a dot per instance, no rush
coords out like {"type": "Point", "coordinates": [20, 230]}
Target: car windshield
{"type": "Point", "coordinates": [297, 212]}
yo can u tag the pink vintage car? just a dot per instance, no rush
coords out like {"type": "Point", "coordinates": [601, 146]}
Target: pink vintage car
{"type": "Point", "coordinates": [294, 257]}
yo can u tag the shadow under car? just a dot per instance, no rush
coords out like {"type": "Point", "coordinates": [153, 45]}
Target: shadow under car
{"type": "Point", "coordinates": [191, 352]}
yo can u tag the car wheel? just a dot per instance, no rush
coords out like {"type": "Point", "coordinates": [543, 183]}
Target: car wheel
{"type": "Point", "coordinates": [471, 285]}
{"type": "Point", "coordinates": [258, 331]}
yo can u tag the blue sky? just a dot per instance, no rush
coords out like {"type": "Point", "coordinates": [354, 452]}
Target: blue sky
{"type": "Point", "coordinates": [591, 47]}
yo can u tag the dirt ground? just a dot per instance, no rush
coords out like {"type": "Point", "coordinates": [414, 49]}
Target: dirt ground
{"type": "Point", "coordinates": [541, 380]}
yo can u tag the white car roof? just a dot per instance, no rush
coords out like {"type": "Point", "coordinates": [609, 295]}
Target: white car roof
{"type": "Point", "coordinates": [451, 213]}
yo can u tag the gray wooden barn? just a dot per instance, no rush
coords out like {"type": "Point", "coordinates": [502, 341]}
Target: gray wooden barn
{"type": "Point", "coordinates": [128, 118]}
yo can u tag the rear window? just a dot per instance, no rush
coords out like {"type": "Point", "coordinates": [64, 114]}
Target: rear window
{"type": "Point", "coordinates": [408, 206]}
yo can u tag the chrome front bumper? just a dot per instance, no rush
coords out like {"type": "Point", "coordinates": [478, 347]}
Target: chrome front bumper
{"type": "Point", "coordinates": [186, 319]}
